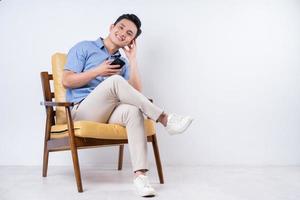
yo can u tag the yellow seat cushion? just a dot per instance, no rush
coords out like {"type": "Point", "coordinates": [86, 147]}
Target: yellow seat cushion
{"type": "Point", "coordinates": [90, 129]}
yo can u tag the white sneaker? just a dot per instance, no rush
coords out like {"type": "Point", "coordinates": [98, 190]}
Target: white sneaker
{"type": "Point", "coordinates": [178, 124]}
{"type": "Point", "coordinates": [143, 186]}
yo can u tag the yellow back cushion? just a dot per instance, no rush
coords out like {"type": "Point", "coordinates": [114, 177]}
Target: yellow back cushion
{"type": "Point", "coordinates": [58, 64]}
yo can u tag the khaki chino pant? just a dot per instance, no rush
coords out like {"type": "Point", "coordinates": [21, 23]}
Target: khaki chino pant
{"type": "Point", "coordinates": [116, 101]}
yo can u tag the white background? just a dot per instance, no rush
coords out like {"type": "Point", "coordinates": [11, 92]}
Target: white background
{"type": "Point", "coordinates": [232, 65]}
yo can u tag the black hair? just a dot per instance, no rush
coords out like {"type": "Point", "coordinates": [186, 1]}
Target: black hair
{"type": "Point", "coordinates": [133, 18]}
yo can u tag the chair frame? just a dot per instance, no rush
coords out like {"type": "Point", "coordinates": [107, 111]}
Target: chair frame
{"type": "Point", "coordinates": [74, 143]}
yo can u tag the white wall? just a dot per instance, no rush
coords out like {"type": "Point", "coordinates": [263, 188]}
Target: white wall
{"type": "Point", "coordinates": [233, 65]}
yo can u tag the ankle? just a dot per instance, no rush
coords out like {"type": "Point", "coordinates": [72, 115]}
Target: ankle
{"type": "Point", "coordinates": [163, 119]}
{"type": "Point", "coordinates": [140, 172]}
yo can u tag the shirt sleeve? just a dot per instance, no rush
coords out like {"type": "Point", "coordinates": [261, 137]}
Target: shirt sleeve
{"type": "Point", "coordinates": [76, 58]}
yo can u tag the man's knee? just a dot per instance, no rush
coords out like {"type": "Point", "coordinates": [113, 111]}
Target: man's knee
{"type": "Point", "coordinates": [134, 112]}
{"type": "Point", "coordinates": [116, 78]}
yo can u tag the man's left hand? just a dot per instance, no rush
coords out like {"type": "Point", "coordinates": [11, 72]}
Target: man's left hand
{"type": "Point", "coordinates": [130, 51]}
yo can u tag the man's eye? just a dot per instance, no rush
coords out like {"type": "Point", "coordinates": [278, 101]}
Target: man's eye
{"type": "Point", "coordinates": [121, 27]}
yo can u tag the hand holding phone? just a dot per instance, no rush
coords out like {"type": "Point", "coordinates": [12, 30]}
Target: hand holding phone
{"type": "Point", "coordinates": [118, 61]}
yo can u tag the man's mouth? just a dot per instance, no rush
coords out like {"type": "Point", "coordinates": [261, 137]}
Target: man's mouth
{"type": "Point", "coordinates": [119, 38]}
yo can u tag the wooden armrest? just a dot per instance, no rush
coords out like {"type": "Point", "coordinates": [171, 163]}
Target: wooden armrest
{"type": "Point", "coordinates": [52, 104]}
{"type": "Point", "coordinates": [63, 104]}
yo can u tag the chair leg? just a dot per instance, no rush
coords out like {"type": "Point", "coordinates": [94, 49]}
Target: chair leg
{"type": "Point", "coordinates": [120, 162]}
{"type": "Point", "coordinates": [76, 167]}
{"type": "Point", "coordinates": [46, 139]}
{"type": "Point", "coordinates": [45, 160]}
{"type": "Point", "coordinates": [73, 148]}
{"type": "Point", "coordinates": [157, 159]}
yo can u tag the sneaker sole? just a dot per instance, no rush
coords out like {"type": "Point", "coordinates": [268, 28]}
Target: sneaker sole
{"type": "Point", "coordinates": [146, 195]}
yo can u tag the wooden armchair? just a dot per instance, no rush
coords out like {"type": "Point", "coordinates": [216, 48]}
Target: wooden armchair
{"type": "Point", "coordinates": [62, 133]}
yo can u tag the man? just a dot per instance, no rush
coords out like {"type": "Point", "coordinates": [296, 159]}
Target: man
{"type": "Point", "coordinates": [107, 94]}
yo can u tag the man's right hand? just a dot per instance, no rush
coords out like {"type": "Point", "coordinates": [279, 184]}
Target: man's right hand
{"type": "Point", "coordinates": [105, 69]}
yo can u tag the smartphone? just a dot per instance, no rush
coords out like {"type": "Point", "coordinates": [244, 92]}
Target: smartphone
{"type": "Point", "coordinates": [118, 61]}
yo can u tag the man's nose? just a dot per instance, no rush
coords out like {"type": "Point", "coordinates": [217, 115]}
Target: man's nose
{"type": "Point", "coordinates": [123, 36]}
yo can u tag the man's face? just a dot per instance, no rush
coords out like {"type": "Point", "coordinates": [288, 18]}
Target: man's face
{"type": "Point", "coordinates": [123, 32]}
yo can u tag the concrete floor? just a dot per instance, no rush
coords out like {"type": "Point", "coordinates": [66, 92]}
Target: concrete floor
{"type": "Point", "coordinates": [201, 183]}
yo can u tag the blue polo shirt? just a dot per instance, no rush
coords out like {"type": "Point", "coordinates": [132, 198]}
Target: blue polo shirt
{"type": "Point", "coordinates": [87, 55]}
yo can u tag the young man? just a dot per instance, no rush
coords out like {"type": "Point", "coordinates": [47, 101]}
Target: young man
{"type": "Point", "coordinates": [107, 94]}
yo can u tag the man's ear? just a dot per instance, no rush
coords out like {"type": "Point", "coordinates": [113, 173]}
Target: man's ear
{"type": "Point", "coordinates": [111, 27]}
